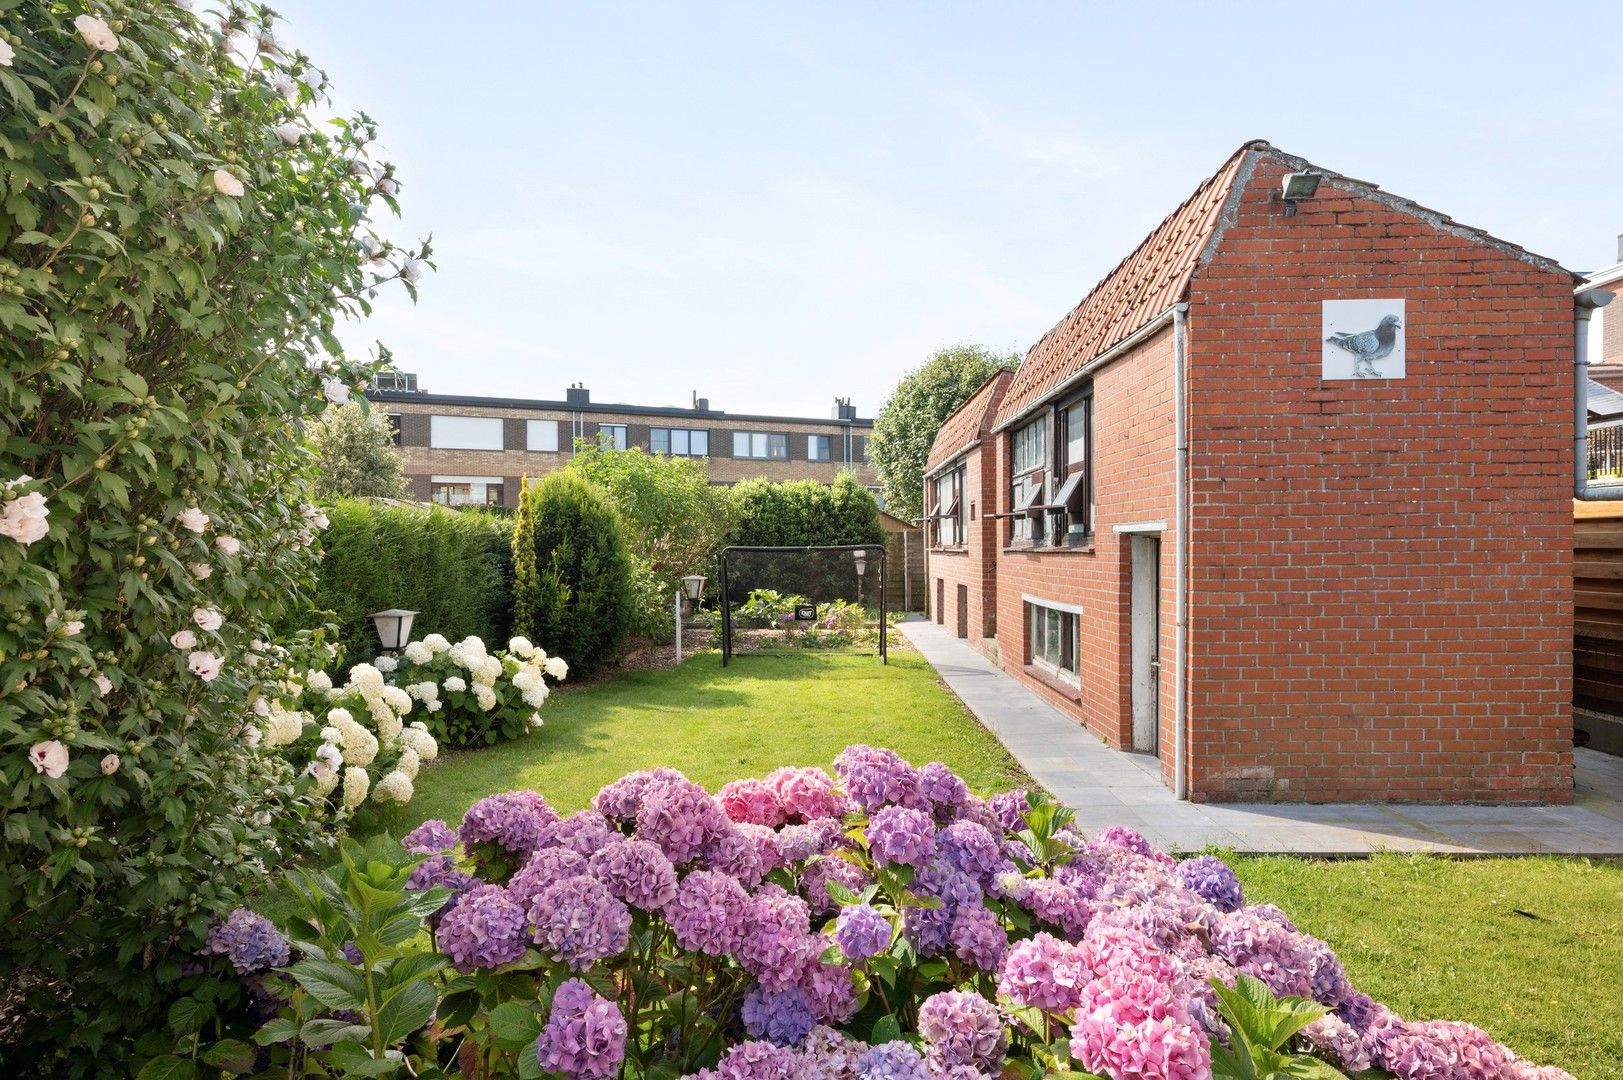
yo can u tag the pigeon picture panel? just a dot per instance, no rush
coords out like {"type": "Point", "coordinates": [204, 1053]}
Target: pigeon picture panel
{"type": "Point", "coordinates": [1363, 339]}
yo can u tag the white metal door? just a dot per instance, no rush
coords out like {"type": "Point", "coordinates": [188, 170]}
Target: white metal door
{"type": "Point", "coordinates": [1146, 642]}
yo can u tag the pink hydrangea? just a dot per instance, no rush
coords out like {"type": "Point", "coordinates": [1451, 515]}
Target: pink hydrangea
{"type": "Point", "coordinates": [679, 816]}
{"type": "Point", "coordinates": [805, 794]}
{"type": "Point", "coordinates": [1043, 972]}
{"type": "Point", "coordinates": [708, 913]}
{"type": "Point", "coordinates": [962, 1028]}
{"type": "Point", "coordinates": [901, 836]}
{"type": "Point", "coordinates": [579, 922]}
{"type": "Point", "coordinates": [752, 802]}
{"type": "Point", "coordinates": [585, 1036]}
{"type": "Point", "coordinates": [777, 942]}
{"type": "Point", "coordinates": [876, 778]}
{"type": "Point", "coordinates": [636, 872]}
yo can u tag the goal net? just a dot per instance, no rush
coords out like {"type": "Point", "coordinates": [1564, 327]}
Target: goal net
{"type": "Point", "coordinates": [776, 600]}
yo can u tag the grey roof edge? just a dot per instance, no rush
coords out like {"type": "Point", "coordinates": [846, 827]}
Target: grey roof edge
{"type": "Point", "coordinates": [673, 411]}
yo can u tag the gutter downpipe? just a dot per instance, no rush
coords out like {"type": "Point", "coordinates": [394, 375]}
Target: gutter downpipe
{"type": "Point", "coordinates": [1584, 304]}
{"type": "Point", "coordinates": [1180, 648]}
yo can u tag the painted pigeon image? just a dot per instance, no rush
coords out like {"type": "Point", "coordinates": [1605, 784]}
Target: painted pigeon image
{"type": "Point", "coordinates": [1370, 346]}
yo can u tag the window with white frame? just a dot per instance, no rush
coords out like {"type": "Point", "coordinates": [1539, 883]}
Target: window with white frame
{"type": "Point", "coordinates": [541, 435]}
{"type": "Point", "coordinates": [760, 444]}
{"type": "Point", "coordinates": [948, 508]}
{"type": "Point", "coordinates": [611, 436]}
{"type": "Point", "coordinates": [679, 442]}
{"type": "Point", "coordinates": [1073, 478]}
{"type": "Point", "coordinates": [819, 448]}
{"type": "Point", "coordinates": [1028, 455]}
{"type": "Point", "coordinates": [466, 490]}
{"type": "Point", "coordinates": [1051, 638]}
{"type": "Point", "coordinates": [465, 432]}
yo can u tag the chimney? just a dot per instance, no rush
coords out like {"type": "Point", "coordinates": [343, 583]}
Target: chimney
{"type": "Point", "coordinates": [1620, 247]}
{"type": "Point", "coordinates": [577, 394]}
{"type": "Point", "coordinates": [700, 404]}
{"type": "Point", "coordinates": [844, 410]}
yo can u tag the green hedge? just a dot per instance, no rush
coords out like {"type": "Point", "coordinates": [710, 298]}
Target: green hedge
{"type": "Point", "coordinates": [793, 513]}
{"type": "Point", "coordinates": [452, 567]}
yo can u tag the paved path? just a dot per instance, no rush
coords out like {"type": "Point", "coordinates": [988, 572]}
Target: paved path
{"type": "Point", "coordinates": [1110, 787]}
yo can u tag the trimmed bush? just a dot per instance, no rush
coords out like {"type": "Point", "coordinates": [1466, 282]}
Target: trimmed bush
{"type": "Point", "coordinates": [793, 513]}
{"type": "Point", "coordinates": [452, 567]}
{"type": "Point", "coordinates": [572, 571]}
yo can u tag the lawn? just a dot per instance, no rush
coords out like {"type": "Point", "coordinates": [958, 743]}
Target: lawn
{"type": "Point", "coordinates": [719, 724]}
{"type": "Point", "coordinates": [1530, 949]}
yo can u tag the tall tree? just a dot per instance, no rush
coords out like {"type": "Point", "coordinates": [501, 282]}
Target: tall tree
{"type": "Point", "coordinates": [910, 418]}
{"type": "Point", "coordinates": [355, 455]}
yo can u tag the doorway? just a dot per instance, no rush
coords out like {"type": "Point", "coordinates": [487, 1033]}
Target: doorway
{"type": "Point", "coordinates": [1145, 647]}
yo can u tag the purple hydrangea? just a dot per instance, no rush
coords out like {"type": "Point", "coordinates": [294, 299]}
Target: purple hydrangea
{"type": "Point", "coordinates": [944, 788]}
{"type": "Point", "coordinates": [430, 837]}
{"type": "Point", "coordinates": [1043, 972]}
{"type": "Point", "coordinates": [861, 932]}
{"type": "Point", "coordinates": [815, 878]}
{"type": "Point", "coordinates": [1290, 962]}
{"type": "Point", "coordinates": [756, 1060]}
{"type": "Point", "coordinates": [709, 913]}
{"type": "Point", "coordinates": [962, 1028]}
{"type": "Point", "coordinates": [971, 849]}
{"type": "Point", "coordinates": [579, 922]}
{"type": "Point", "coordinates": [892, 1061]}
{"type": "Point", "coordinates": [483, 929]}
{"type": "Point", "coordinates": [1211, 879]}
{"type": "Point", "coordinates": [875, 778]}
{"type": "Point", "coordinates": [1121, 836]}
{"type": "Point", "coordinates": [1010, 808]}
{"type": "Point", "coordinates": [797, 843]}
{"type": "Point", "coordinates": [765, 841]}
{"type": "Point", "coordinates": [901, 836]}
{"type": "Point", "coordinates": [1339, 1041]}
{"type": "Point", "coordinates": [585, 1036]}
{"type": "Point", "coordinates": [978, 938]}
{"type": "Point", "coordinates": [927, 928]}
{"type": "Point", "coordinates": [512, 820]}
{"type": "Point", "coordinates": [249, 941]}
{"type": "Point", "coordinates": [783, 1017]}
{"type": "Point", "coordinates": [734, 854]}
{"type": "Point", "coordinates": [777, 942]}
{"type": "Point", "coordinates": [583, 832]}
{"type": "Point", "coordinates": [679, 816]}
{"type": "Point", "coordinates": [1082, 874]}
{"type": "Point", "coordinates": [1059, 905]}
{"type": "Point", "coordinates": [545, 867]}
{"type": "Point", "coordinates": [829, 988]}
{"type": "Point", "coordinates": [636, 872]}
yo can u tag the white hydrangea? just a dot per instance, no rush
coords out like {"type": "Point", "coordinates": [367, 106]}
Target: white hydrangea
{"type": "Point", "coordinates": [424, 691]}
{"type": "Point", "coordinates": [486, 698]}
{"type": "Point", "coordinates": [520, 646]}
{"type": "Point", "coordinates": [409, 762]}
{"type": "Point", "coordinates": [557, 668]}
{"type": "Point", "coordinates": [329, 755]}
{"type": "Point", "coordinates": [360, 745]}
{"type": "Point", "coordinates": [535, 719]}
{"type": "Point", "coordinates": [388, 728]}
{"type": "Point", "coordinates": [356, 784]}
{"type": "Point", "coordinates": [487, 670]}
{"type": "Point", "coordinates": [395, 788]}
{"type": "Point", "coordinates": [339, 716]}
{"type": "Point", "coordinates": [326, 778]}
{"type": "Point", "coordinates": [331, 734]}
{"type": "Point", "coordinates": [366, 679]}
{"type": "Point", "coordinates": [284, 728]}
{"type": "Point", "coordinates": [397, 699]}
{"type": "Point", "coordinates": [436, 643]}
{"type": "Point", "coordinates": [418, 652]}
{"type": "Point", "coordinates": [456, 684]}
{"type": "Point", "coordinates": [385, 664]}
{"type": "Point", "coordinates": [319, 680]}
{"type": "Point", "coordinates": [417, 737]}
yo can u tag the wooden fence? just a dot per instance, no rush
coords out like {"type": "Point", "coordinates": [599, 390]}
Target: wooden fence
{"type": "Point", "coordinates": [1597, 645]}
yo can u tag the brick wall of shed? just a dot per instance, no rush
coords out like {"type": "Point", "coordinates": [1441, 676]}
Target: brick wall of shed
{"type": "Point", "coordinates": [1132, 472]}
{"type": "Point", "coordinates": [974, 564]}
{"type": "Point", "coordinates": [1381, 602]}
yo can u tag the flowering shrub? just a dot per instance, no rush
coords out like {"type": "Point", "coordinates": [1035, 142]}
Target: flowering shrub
{"type": "Point", "coordinates": [180, 237]}
{"type": "Point", "coordinates": [471, 697]}
{"type": "Point", "coordinates": [883, 922]}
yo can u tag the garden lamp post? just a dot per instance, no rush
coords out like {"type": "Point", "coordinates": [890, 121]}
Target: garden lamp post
{"type": "Point", "coordinates": [860, 557]}
{"type": "Point", "coordinates": [394, 628]}
{"type": "Point", "coordinates": [693, 589]}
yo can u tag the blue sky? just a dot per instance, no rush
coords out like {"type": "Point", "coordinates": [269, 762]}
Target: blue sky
{"type": "Point", "coordinates": [774, 204]}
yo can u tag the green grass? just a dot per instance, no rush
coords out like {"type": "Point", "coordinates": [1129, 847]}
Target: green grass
{"type": "Point", "coordinates": [1441, 938]}
{"type": "Point", "coordinates": [720, 724]}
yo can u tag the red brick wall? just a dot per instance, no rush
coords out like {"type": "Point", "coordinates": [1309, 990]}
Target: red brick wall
{"type": "Point", "coordinates": [1132, 471]}
{"type": "Point", "coordinates": [972, 565]}
{"type": "Point", "coordinates": [1381, 602]}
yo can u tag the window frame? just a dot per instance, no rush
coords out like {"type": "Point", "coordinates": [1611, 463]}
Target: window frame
{"type": "Point", "coordinates": [827, 443]}
{"type": "Point", "coordinates": [1029, 460]}
{"type": "Point", "coordinates": [493, 487]}
{"type": "Point", "coordinates": [689, 436]}
{"type": "Point", "coordinates": [1071, 528]}
{"type": "Point", "coordinates": [459, 440]}
{"type": "Point", "coordinates": [949, 513]}
{"type": "Point", "coordinates": [1054, 639]}
{"type": "Point", "coordinates": [619, 436]}
{"type": "Point", "coordinates": [531, 427]}
{"type": "Point", "coordinates": [775, 444]}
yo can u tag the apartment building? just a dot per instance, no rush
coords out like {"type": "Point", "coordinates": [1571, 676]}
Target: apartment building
{"type": "Point", "coordinates": [462, 450]}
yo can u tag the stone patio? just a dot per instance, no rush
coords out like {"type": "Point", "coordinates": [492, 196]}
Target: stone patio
{"type": "Point", "coordinates": [1110, 787]}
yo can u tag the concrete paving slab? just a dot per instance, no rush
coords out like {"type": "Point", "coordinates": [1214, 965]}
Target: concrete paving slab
{"type": "Point", "coordinates": [1110, 787]}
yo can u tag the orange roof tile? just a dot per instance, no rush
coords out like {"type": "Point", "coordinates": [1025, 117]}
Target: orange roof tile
{"type": "Point", "coordinates": [1142, 286]}
{"type": "Point", "coordinates": [970, 420]}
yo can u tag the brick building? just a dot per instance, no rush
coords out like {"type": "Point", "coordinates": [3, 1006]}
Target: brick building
{"type": "Point", "coordinates": [461, 450]}
{"type": "Point", "coordinates": [960, 496]}
{"type": "Point", "coordinates": [1343, 423]}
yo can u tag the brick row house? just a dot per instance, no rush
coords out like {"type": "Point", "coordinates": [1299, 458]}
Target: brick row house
{"type": "Point", "coordinates": [1343, 423]}
{"type": "Point", "coordinates": [462, 450]}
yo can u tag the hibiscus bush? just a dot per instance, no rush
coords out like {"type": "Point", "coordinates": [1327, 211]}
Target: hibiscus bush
{"type": "Point", "coordinates": [178, 236]}
{"type": "Point", "coordinates": [880, 923]}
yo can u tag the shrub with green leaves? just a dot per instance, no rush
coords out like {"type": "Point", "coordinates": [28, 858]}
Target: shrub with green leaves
{"type": "Point", "coordinates": [178, 237]}
{"type": "Point", "coordinates": [795, 513]}
{"type": "Point", "coordinates": [452, 567]}
{"type": "Point", "coordinates": [572, 572]}
{"type": "Point", "coordinates": [356, 455]}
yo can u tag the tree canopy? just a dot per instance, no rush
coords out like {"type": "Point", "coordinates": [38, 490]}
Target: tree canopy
{"type": "Point", "coordinates": [355, 455]}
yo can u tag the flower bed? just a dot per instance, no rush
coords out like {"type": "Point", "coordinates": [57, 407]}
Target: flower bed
{"type": "Point", "coordinates": [884, 924]}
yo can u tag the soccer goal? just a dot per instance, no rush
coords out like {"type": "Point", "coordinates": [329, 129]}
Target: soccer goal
{"type": "Point", "coordinates": [776, 600]}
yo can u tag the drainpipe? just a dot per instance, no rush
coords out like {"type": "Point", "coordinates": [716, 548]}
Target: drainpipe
{"type": "Point", "coordinates": [1584, 305]}
{"type": "Point", "coordinates": [1180, 573]}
